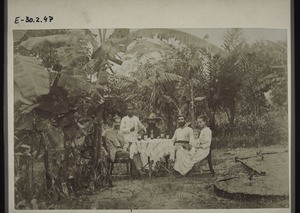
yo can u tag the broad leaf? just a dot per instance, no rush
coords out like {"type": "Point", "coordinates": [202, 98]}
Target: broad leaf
{"type": "Point", "coordinates": [65, 55]}
{"type": "Point", "coordinates": [18, 34]}
{"type": "Point", "coordinates": [72, 53]}
{"type": "Point", "coordinates": [56, 108]}
{"type": "Point", "coordinates": [19, 98]}
{"type": "Point", "coordinates": [25, 146]}
{"type": "Point", "coordinates": [55, 135]}
{"type": "Point", "coordinates": [103, 78]}
{"type": "Point", "coordinates": [35, 42]}
{"type": "Point", "coordinates": [111, 47]}
{"type": "Point", "coordinates": [77, 45]}
{"type": "Point", "coordinates": [167, 99]}
{"type": "Point", "coordinates": [199, 98]}
{"type": "Point", "coordinates": [30, 78]}
{"type": "Point", "coordinates": [28, 109]}
{"type": "Point", "coordinates": [25, 125]}
{"type": "Point", "coordinates": [74, 83]}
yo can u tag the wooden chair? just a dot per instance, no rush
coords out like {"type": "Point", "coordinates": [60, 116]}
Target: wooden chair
{"type": "Point", "coordinates": [123, 160]}
{"type": "Point", "coordinates": [208, 158]}
{"type": "Point", "coordinates": [127, 161]}
{"type": "Point", "coordinates": [209, 161]}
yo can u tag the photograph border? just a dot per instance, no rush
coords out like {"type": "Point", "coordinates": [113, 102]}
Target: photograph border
{"type": "Point", "coordinates": [252, 10]}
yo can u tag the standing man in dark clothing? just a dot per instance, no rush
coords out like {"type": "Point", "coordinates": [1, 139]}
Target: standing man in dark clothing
{"type": "Point", "coordinates": [152, 130]}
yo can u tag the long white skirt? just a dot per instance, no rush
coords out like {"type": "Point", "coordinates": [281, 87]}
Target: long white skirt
{"type": "Point", "coordinates": [185, 160]}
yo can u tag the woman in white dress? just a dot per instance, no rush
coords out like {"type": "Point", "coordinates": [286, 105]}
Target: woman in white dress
{"type": "Point", "coordinates": [192, 153]}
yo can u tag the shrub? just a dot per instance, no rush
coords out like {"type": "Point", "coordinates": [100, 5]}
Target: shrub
{"type": "Point", "coordinates": [268, 129]}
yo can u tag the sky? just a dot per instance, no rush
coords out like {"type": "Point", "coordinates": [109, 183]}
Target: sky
{"type": "Point", "coordinates": [216, 34]}
{"type": "Point", "coordinates": [251, 34]}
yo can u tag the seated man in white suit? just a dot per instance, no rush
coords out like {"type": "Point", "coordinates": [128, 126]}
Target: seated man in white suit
{"type": "Point", "coordinates": [190, 154]}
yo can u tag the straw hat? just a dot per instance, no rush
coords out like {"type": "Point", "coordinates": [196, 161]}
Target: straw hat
{"type": "Point", "coordinates": [153, 117]}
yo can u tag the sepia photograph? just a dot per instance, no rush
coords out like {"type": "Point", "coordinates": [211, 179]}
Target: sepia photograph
{"type": "Point", "coordinates": [150, 118]}
{"type": "Point", "coordinates": [149, 106]}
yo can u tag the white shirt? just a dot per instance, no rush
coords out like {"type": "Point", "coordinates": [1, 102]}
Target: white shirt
{"type": "Point", "coordinates": [184, 134]}
{"type": "Point", "coordinates": [204, 140]}
{"type": "Point", "coordinates": [126, 124]}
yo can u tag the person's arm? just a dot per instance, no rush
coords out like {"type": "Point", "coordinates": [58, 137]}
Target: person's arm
{"type": "Point", "coordinates": [206, 142]}
{"type": "Point", "coordinates": [123, 128]}
{"type": "Point", "coordinates": [121, 140]}
{"type": "Point", "coordinates": [174, 137]}
{"type": "Point", "coordinates": [197, 143]}
{"type": "Point", "coordinates": [191, 139]}
{"type": "Point", "coordinates": [141, 126]}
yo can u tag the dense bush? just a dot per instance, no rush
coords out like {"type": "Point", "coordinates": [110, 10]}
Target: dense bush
{"type": "Point", "coordinates": [267, 129]}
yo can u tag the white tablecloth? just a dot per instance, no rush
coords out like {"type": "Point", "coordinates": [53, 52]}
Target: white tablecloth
{"type": "Point", "coordinates": [155, 149]}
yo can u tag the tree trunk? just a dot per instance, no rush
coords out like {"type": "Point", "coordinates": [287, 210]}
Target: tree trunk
{"type": "Point", "coordinates": [96, 145]}
{"type": "Point", "coordinates": [29, 180]}
{"type": "Point", "coordinates": [212, 120]}
{"type": "Point", "coordinates": [66, 160]}
{"type": "Point", "coordinates": [100, 36]}
{"type": "Point", "coordinates": [47, 169]}
{"type": "Point", "coordinates": [46, 163]}
{"type": "Point", "coordinates": [97, 142]}
{"type": "Point", "coordinates": [104, 35]}
{"type": "Point", "coordinates": [232, 113]}
{"type": "Point", "coordinates": [192, 103]}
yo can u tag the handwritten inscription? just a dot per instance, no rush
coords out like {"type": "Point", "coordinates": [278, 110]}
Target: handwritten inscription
{"type": "Point", "coordinates": [27, 19]}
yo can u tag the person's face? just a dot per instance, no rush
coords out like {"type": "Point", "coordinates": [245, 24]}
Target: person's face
{"type": "Point", "coordinates": [201, 122]}
{"type": "Point", "coordinates": [130, 111]}
{"type": "Point", "coordinates": [181, 121]}
{"type": "Point", "coordinates": [117, 124]}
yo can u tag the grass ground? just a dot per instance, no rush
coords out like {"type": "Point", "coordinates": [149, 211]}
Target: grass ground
{"type": "Point", "coordinates": [172, 192]}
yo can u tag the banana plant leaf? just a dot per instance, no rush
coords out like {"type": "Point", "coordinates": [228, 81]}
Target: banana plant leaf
{"type": "Point", "coordinates": [55, 108]}
{"type": "Point", "coordinates": [77, 83]}
{"type": "Point", "coordinates": [73, 131]}
{"type": "Point", "coordinates": [19, 99]}
{"type": "Point", "coordinates": [66, 120]}
{"type": "Point", "coordinates": [70, 53]}
{"type": "Point", "coordinates": [35, 42]}
{"type": "Point", "coordinates": [25, 125]}
{"type": "Point", "coordinates": [55, 135]}
{"type": "Point", "coordinates": [110, 48]}
{"type": "Point", "coordinates": [74, 83]}
{"type": "Point", "coordinates": [73, 37]}
{"type": "Point", "coordinates": [103, 78]}
{"type": "Point", "coordinates": [199, 98]}
{"type": "Point", "coordinates": [18, 34]}
{"type": "Point", "coordinates": [30, 79]}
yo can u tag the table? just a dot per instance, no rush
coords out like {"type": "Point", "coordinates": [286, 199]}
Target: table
{"type": "Point", "coordinates": [152, 150]}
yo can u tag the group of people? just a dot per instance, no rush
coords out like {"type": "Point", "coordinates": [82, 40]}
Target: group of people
{"type": "Point", "coordinates": [190, 148]}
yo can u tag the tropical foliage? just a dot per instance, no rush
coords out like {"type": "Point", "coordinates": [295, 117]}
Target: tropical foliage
{"type": "Point", "coordinates": [66, 89]}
